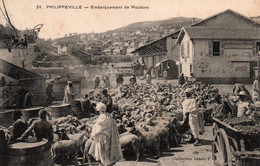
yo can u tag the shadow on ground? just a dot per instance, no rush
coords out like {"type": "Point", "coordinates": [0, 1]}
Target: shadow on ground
{"type": "Point", "coordinates": [206, 142]}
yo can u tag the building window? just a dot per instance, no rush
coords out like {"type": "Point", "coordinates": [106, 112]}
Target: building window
{"type": "Point", "coordinates": [180, 68]}
{"type": "Point", "coordinates": [216, 48]}
{"type": "Point", "coordinates": [191, 71]}
{"type": "Point", "coordinates": [182, 50]}
{"type": "Point", "coordinates": [257, 47]}
{"type": "Point", "coordinates": [188, 49]}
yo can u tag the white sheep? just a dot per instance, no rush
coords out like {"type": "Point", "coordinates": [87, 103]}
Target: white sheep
{"type": "Point", "coordinates": [67, 148]}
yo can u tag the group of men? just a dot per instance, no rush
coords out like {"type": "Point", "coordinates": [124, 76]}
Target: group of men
{"type": "Point", "coordinates": [22, 129]}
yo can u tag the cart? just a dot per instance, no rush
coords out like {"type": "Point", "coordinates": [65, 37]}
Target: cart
{"type": "Point", "coordinates": [233, 147]}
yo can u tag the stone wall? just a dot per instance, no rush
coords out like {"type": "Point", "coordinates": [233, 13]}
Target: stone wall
{"type": "Point", "coordinates": [235, 60]}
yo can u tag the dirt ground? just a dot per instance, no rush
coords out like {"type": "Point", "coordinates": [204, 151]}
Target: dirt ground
{"type": "Point", "coordinates": [183, 155]}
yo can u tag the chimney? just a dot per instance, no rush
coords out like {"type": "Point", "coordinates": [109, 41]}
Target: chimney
{"type": "Point", "coordinates": [193, 20]}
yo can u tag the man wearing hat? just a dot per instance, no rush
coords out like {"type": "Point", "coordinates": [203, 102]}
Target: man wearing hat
{"type": "Point", "coordinates": [104, 143]}
{"type": "Point", "coordinates": [68, 93]}
{"type": "Point", "coordinates": [49, 92]}
{"type": "Point", "coordinates": [165, 75]}
{"type": "Point", "coordinates": [221, 108]}
{"type": "Point", "coordinates": [133, 79]}
{"type": "Point", "coordinates": [255, 90]}
{"type": "Point", "coordinates": [107, 100]}
{"type": "Point", "coordinates": [190, 111]}
{"type": "Point", "coordinates": [42, 128]}
{"type": "Point", "coordinates": [243, 105]}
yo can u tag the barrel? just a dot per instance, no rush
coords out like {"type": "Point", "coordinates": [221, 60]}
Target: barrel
{"type": "Point", "coordinates": [29, 153]}
{"type": "Point", "coordinates": [3, 142]}
{"type": "Point", "coordinates": [6, 118]}
{"type": "Point", "coordinates": [76, 108]}
{"type": "Point", "coordinates": [3, 148]}
{"type": "Point", "coordinates": [30, 112]}
{"type": "Point", "coordinates": [61, 110]}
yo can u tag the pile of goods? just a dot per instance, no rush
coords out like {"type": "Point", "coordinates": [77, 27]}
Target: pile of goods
{"type": "Point", "coordinates": [248, 130]}
{"type": "Point", "coordinates": [239, 121]}
{"type": "Point", "coordinates": [245, 125]}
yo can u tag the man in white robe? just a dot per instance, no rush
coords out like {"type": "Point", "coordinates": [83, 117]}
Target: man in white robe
{"type": "Point", "coordinates": [190, 110]}
{"type": "Point", "coordinates": [105, 146]}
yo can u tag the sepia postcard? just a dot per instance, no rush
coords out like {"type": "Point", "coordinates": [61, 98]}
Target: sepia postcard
{"type": "Point", "coordinates": [149, 75]}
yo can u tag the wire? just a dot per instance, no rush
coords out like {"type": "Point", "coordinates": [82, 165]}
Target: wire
{"type": "Point", "coordinates": [9, 21]}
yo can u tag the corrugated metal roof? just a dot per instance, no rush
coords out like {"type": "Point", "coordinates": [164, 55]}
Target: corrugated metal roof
{"type": "Point", "coordinates": [155, 41]}
{"type": "Point", "coordinates": [222, 33]}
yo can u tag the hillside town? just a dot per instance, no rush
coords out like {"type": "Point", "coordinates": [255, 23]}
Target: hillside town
{"type": "Point", "coordinates": [179, 91]}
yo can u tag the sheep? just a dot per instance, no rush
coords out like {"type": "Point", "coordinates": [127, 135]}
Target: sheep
{"type": "Point", "coordinates": [170, 124]}
{"type": "Point", "coordinates": [163, 132]}
{"type": "Point", "coordinates": [130, 142]}
{"type": "Point", "coordinates": [149, 140]}
{"type": "Point", "coordinates": [121, 128]}
{"type": "Point", "coordinates": [67, 148]}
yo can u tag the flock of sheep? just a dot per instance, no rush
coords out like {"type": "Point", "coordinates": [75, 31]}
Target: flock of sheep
{"type": "Point", "coordinates": [147, 117]}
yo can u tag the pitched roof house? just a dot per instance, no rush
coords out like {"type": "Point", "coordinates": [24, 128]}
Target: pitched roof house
{"type": "Point", "coordinates": [220, 49]}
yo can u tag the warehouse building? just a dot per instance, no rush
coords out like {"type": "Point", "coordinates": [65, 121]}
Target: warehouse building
{"type": "Point", "coordinates": [220, 49]}
{"type": "Point", "coordinates": [161, 54]}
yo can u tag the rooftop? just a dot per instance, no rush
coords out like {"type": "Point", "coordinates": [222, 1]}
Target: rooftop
{"type": "Point", "coordinates": [220, 33]}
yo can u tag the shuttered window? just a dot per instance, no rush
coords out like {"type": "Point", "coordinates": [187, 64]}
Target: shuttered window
{"type": "Point", "coordinates": [257, 47]}
{"type": "Point", "coordinates": [216, 48]}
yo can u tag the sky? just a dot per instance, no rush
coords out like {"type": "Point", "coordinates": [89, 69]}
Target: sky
{"type": "Point", "coordinates": [58, 22]}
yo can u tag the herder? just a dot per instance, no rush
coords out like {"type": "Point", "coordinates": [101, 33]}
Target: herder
{"type": "Point", "coordinates": [165, 75]}
{"type": "Point", "coordinates": [96, 83]}
{"type": "Point", "coordinates": [119, 79]}
{"type": "Point", "coordinates": [68, 93]}
{"type": "Point", "coordinates": [49, 92]}
{"type": "Point", "coordinates": [255, 90]}
{"type": "Point", "coordinates": [190, 111]}
{"type": "Point", "coordinates": [133, 79]}
{"type": "Point", "coordinates": [243, 105]}
{"type": "Point", "coordinates": [106, 82]}
{"type": "Point", "coordinates": [107, 100]}
{"type": "Point", "coordinates": [42, 128]}
{"type": "Point", "coordinates": [104, 143]}
{"type": "Point", "coordinates": [148, 79]}
{"type": "Point", "coordinates": [181, 79]}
